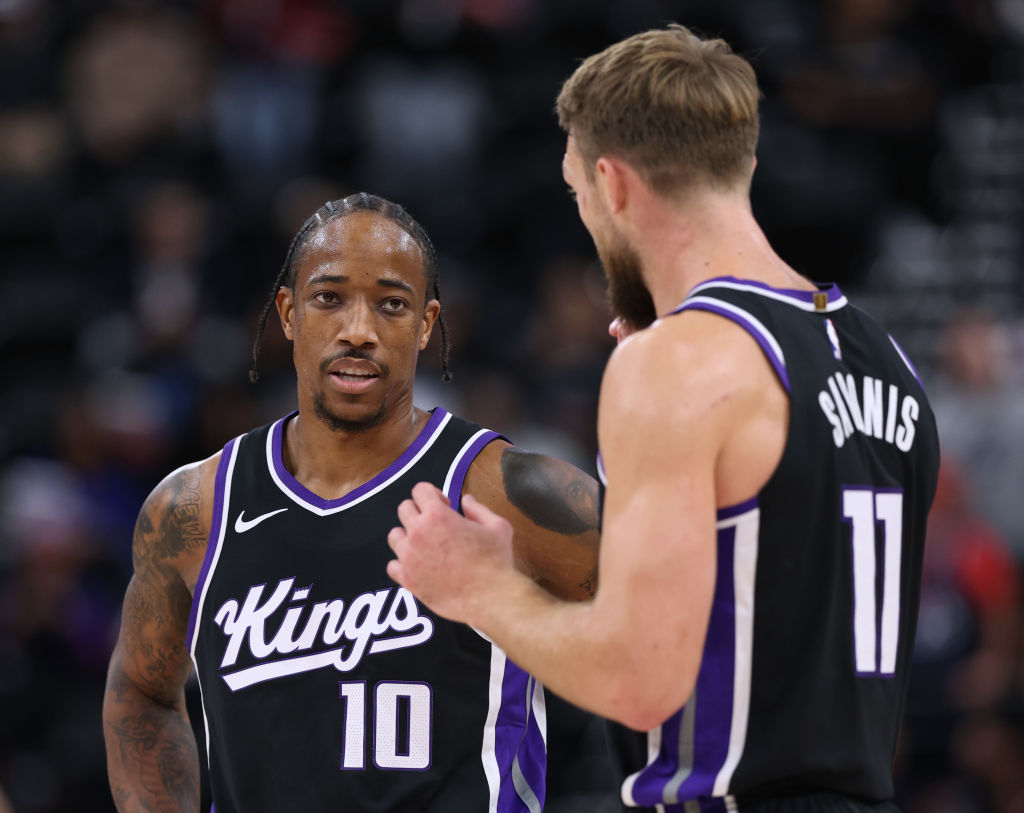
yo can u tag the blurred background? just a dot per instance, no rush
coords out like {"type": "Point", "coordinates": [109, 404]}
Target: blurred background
{"type": "Point", "coordinates": [157, 157]}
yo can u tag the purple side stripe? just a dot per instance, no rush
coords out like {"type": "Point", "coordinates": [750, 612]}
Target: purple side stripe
{"type": "Point", "coordinates": [319, 502]}
{"type": "Point", "coordinates": [462, 467]}
{"type": "Point", "coordinates": [716, 679]}
{"type": "Point", "coordinates": [713, 696]}
{"type": "Point", "coordinates": [212, 539]}
{"type": "Point", "coordinates": [509, 733]}
{"type": "Point", "coordinates": [780, 368]}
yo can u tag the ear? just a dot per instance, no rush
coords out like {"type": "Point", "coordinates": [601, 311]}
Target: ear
{"type": "Point", "coordinates": [285, 302]}
{"type": "Point", "coordinates": [611, 183]}
{"type": "Point", "coordinates": [430, 314]}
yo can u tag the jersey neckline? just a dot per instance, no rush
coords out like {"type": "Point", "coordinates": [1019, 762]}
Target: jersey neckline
{"type": "Point", "coordinates": [802, 299]}
{"type": "Point", "coordinates": [306, 498]}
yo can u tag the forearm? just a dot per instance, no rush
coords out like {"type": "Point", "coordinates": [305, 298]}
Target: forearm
{"type": "Point", "coordinates": [579, 650]}
{"type": "Point", "coordinates": [152, 758]}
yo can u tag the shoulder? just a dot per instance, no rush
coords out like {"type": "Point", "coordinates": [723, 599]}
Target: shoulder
{"type": "Point", "coordinates": [552, 493]}
{"type": "Point", "coordinates": [174, 521]}
{"type": "Point", "coordinates": [692, 376]}
{"type": "Point", "coordinates": [689, 359]}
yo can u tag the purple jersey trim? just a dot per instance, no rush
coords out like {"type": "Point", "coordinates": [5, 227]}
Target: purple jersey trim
{"type": "Point", "coordinates": [517, 734]}
{"type": "Point", "coordinates": [462, 467]}
{"type": "Point", "coordinates": [713, 697]}
{"type": "Point", "coordinates": [735, 510]}
{"type": "Point", "coordinates": [807, 297]}
{"type": "Point", "coordinates": [212, 539]}
{"type": "Point", "coordinates": [299, 490]}
{"type": "Point", "coordinates": [773, 357]}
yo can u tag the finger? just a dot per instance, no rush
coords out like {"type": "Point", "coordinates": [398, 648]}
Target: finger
{"type": "Point", "coordinates": [407, 512]}
{"type": "Point", "coordinates": [427, 494]}
{"type": "Point", "coordinates": [475, 510]}
{"type": "Point", "coordinates": [395, 571]}
{"type": "Point", "coordinates": [398, 540]}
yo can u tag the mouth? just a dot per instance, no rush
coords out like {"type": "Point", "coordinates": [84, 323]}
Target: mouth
{"type": "Point", "coordinates": [353, 376]}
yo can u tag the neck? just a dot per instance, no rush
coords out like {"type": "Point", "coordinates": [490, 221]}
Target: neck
{"type": "Point", "coordinates": [331, 462]}
{"type": "Point", "coordinates": [709, 235]}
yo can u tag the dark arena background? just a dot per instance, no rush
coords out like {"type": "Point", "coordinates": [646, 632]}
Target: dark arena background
{"type": "Point", "coordinates": [156, 157]}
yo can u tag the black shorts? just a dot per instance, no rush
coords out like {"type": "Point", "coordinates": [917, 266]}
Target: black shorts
{"type": "Point", "coordinates": [804, 803]}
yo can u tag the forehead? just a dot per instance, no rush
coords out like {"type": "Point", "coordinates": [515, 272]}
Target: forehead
{"type": "Point", "coordinates": [362, 242]}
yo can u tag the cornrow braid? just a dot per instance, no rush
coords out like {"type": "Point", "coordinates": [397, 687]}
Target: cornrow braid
{"type": "Point", "coordinates": [359, 202]}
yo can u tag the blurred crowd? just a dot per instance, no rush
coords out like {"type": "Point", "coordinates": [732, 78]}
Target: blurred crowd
{"type": "Point", "coordinates": [157, 157]}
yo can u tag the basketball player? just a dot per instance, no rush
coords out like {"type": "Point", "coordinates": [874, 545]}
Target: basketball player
{"type": "Point", "coordinates": [770, 459]}
{"type": "Point", "coordinates": [324, 686]}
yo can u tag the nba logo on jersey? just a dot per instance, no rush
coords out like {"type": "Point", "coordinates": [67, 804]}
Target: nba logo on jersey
{"type": "Point", "coordinates": [833, 337]}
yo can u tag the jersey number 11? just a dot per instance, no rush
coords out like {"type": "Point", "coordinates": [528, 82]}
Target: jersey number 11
{"type": "Point", "coordinates": [874, 643]}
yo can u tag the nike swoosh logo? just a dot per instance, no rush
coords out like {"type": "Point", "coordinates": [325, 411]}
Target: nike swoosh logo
{"type": "Point", "coordinates": [243, 525]}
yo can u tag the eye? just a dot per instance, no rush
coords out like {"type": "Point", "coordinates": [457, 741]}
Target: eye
{"type": "Point", "coordinates": [394, 304]}
{"type": "Point", "coordinates": [326, 297]}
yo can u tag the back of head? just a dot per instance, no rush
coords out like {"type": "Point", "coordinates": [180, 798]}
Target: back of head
{"type": "Point", "coordinates": [679, 109]}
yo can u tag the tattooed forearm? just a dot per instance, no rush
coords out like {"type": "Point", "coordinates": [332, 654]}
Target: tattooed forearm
{"type": "Point", "coordinates": [152, 757]}
{"type": "Point", "coordinates": [551, 493]}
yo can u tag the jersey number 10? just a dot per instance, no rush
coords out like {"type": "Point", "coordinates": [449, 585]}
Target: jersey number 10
{"type": "Point", "coordinates": [401, 726]}
{"type": "Point", "coordinates": [874, 644]}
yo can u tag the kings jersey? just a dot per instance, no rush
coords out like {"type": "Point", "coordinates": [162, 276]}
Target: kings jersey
{"type": "Point", "coordinates": [805, 663]}
{"type": "Point", "coordinates": [325, 686]}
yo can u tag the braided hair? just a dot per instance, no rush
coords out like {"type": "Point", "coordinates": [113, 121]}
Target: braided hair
{"type": "Point", "coordinates": [359, 202]}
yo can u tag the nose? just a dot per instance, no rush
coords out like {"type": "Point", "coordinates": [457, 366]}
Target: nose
{"type": "Point", "coordinates": [358, 327]}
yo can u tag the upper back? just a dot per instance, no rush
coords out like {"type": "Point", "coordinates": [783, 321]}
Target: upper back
{"type": "Point", "coordinates": [826, 558]}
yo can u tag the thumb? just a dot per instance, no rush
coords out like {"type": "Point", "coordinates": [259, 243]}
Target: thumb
{"type": "Point", "coordinates": [476, 511]}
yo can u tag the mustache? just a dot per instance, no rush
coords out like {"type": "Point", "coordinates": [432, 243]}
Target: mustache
{"type": "Point", "coordinates": [354, 353]}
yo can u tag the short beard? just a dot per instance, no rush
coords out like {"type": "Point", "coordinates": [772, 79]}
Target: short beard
{"type": "Point", "coordinates": [336, 424]}
{"type": "Point", "coordinates": [628, 296]}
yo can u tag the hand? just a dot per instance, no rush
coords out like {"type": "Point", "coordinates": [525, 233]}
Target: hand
{"type": "Point", "coordinates": [448, 561]}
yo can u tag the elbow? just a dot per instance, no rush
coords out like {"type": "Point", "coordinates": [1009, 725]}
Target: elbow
{"type": "Point", "coordinates": [644, 698]}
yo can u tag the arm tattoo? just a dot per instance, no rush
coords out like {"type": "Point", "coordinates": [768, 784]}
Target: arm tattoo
{"type": "Point", "coordinates": [553, 494]}
{"type": "Point", "coordinates": [152, 755]}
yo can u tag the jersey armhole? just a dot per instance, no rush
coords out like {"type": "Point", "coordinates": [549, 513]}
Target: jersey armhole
{"type": "Point", "coordinates": [456, 476]}
{"type": "Point", "coordinates": [751, 324]}
{"type": "Point", "coordinates": [221, 491]}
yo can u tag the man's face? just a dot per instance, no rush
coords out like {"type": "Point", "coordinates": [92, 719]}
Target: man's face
{"type": "Point", "coordinates": [358, 318]}
{"type": "Point", "coordinates": [628, 295]}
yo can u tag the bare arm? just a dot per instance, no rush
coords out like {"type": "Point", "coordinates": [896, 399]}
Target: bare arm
{"type": "Point", "coordinates": [673, 399]}
{"type": "Point", "coordinates": [152, 758]}
{"type": "Point", "coordinates": [552, 507]}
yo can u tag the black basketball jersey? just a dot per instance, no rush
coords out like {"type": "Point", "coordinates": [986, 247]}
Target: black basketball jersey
{"type": "Point", "coordinates": [805, 664]}
{"type": "Point", "coordinates": [325, 686]}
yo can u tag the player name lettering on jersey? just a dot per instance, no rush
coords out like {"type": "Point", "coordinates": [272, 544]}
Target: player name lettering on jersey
{"type": "Point", "coordinates": [873, 409]}
{"type": "Point", "coordinates": [362, 627]}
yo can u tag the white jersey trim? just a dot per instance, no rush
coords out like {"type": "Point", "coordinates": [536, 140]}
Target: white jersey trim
{"type": "Point", "coordinates": [488, 755]}
{"type": "Point", "coordinates": [224, 512]}
{"type": "Point", "coordinates": [771, 294]}
{"type": "Point", "coordinates": [324, 512]}
{"type": "Point", "coordinates": [755, 323]}
{"type": "Point", "coordinates": [745, 548]}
